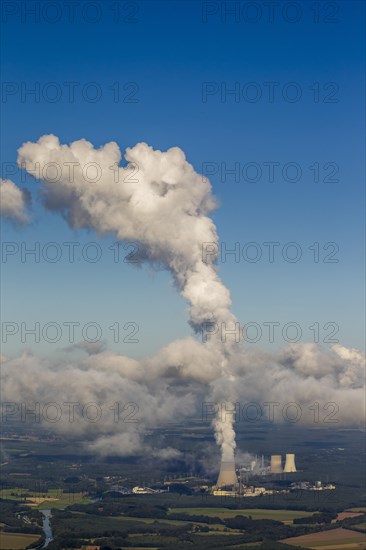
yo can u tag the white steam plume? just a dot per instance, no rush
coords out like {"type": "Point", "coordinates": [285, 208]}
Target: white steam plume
{"type": "Point", "coordinates": [159, 201]}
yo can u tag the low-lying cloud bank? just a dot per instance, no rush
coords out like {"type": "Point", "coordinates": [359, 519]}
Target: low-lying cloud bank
{"type": "Point", "coordinates": [117, 399]}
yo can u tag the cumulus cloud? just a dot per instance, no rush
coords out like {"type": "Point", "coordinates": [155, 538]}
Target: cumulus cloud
{"type": "Point", "coordinates": [13, 201]}
{"type": "Point", "coordinates": [90, 348]}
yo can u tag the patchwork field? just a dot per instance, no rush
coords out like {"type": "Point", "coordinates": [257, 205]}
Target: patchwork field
{"type": "Point", "coordinates": [286, 516]}
{"type": "Point", "coordinates": [335, 539]}
{"type": "Point", "coordinates": [54, 498]}
{"type": "Point", "coordinates": [16, 541]}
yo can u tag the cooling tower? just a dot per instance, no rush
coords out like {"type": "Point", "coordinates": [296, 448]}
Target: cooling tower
{"type": "Point", "coordinates": [276, 464]}
{"type": "Point", "coordinates": [290, 463]}
{"type": "Point", "coordinates": [227, 475]}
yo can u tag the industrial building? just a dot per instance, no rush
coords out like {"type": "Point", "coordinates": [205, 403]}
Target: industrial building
{"type": "Point", "coordinates": [228, 483]}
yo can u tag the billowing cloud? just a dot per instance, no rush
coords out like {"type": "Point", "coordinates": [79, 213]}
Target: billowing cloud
{"type": "Point", "coordinates": [90, 348]}
{"type": "Point", "coordinates": [13, 201]}
{"type": "Point", "coordinates": [157, 200]}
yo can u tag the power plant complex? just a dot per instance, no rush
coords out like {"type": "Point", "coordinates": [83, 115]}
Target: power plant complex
{"type": "Point", "coordinates": [229, 483]}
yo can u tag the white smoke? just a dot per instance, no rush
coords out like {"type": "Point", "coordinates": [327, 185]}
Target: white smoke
{"type": "Point", "coordinates": [225, 436]}
{"type": "Point", "coordinates": [13, 201]}
{"type": "Point", "coordinates": [166, 211]}
{"type": "Point", "coordinates": [163, 207]}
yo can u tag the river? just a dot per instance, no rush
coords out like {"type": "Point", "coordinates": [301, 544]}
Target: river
{"type": "Point", "coordinates": [47, 527]}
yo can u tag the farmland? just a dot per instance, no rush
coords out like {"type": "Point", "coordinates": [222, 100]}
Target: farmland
{"type": "Point", "coordinates": [82, 492]}
{"type": "Point", "coordinates": [286, 516]}
{"type": "Point", "coordinates": [335, 539]}
{"type": "Point", "coordinates": [53, 498]}
{"type": "Point", "coordinates": [15, 541]}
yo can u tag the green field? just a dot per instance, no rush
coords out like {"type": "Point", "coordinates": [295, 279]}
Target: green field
{"type": "Point", "coordinates": [152, 520]}
{"type": "Point", "coordinates": [215, 527]}
{"type": "Point", "coordinates": [286, 516]}
{"type": "Point", "coordinates": [54, 498]}
{"type": "Point", "coordinates": [15, 541]}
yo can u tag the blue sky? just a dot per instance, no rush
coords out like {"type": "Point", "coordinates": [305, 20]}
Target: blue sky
{"type": "Point", "coordinates": [166, 59]}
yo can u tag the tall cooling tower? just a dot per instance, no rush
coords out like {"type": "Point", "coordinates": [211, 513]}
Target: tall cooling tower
{"type": "Point", "coordinates": [276, 464]}
{"type": "Point", "coordinates": [290, 463]}
{"type": "Point", "coordinates": [227, 475]}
